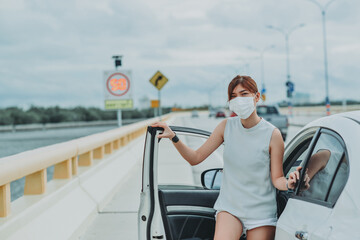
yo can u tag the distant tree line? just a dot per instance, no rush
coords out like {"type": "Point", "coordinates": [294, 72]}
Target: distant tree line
{"type": "Point", "coordinates": [332, 103]}
{"type": "Point", "coordinates": [15, 115]}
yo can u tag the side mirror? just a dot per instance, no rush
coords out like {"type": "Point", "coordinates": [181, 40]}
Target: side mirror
{"type": "Point", "coordinates": [211, 178]}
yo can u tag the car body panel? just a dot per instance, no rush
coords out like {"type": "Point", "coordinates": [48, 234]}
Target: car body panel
{"type": "Point", "coordinates": [149, 215]}
{"type": "Point", "coordinates": [299, 216]}
{"type": "Point", "coordinates": [220, 114]}
{"type": "Point", "coordinates": [324, 222]}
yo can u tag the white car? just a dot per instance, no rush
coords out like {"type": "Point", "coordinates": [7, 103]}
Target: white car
{"type": "Point", "coordinates": [329, 209]}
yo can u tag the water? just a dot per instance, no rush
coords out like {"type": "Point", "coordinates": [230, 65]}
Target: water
{"type": "Point", "coordinates": [13, 143]}
{"type": "Point", "coordinates": [16, 142]}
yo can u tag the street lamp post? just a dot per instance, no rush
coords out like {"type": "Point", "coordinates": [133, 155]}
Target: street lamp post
{"type": "Point", "coordinates": [323, 14]}
{"type": "Point", "coordinates": [262, 51]}
{"type": "Point", "coordinates": [287, 33]}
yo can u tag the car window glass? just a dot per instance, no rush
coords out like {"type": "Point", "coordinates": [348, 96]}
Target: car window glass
{"type": "Point", "coordinates": [218, 180]}
{"type": "Point", "coordinates": [266, 110]}
{"type": "Point", "coordinates": [299, 161]}
{"type": "Point", "coordinates": [299, 156]}
{"type": "Point", "coordinates": [173, 169]}
{"type": "Point", "coordinates": [339, 180]}
{"type": "Point", "coordinates": [322, 167]}
{"type": "Point", "coordinates": [213, 179]}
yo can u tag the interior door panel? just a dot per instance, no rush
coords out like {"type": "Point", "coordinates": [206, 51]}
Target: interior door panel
{"type": "Point", "coordinates": [188, 211]}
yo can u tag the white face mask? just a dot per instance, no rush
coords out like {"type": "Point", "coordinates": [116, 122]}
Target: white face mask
{"type": "Point", "coordinates": [242, 106]}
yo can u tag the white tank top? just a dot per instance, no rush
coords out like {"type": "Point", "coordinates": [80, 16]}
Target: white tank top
{"type": "Point", "coordinates": [246, 190]}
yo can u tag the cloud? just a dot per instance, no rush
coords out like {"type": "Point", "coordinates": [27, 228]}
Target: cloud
{"type": "Point", "coordinates": [54, 52]}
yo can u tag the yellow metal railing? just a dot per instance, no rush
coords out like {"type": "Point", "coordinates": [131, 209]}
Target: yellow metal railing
{"type": "Point", "coordinates": [65, 157]}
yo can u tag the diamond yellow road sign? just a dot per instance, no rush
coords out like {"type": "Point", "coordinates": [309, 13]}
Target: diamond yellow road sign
{"type": "Point", "coordinates": [158, 80]}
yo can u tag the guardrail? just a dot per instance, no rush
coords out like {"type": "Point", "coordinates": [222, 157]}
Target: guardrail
{"type": "Point", "coordinates": [47, 126]}
{"type": "Point", "coordinates": [67, 157]}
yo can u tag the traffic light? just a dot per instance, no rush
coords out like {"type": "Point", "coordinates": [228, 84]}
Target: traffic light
{"type": "Point", "coordinates": [290, 88]}
{"type": "Point", "coordinates": [118, 62]}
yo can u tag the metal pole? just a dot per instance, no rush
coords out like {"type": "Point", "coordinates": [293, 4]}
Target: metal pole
{"type": "Point", "coordinates": [327, 100]}
{"type": "Point", "coordinates": [262, 74]}
{"type": "Point", "coordinates": [323, 14]}
{"type": "Point", "coordinates": [160, 112]}
{"type": "Point", "coordinates": [119, 112]}
{"type": "Point", "coordinates": [287, 34]}
{"type": "Point", "coordinates": [262, 68]}
{"type": "Point", "coordinates": [288, 77]}
{"type": "Point", "coordinates": [287, 58]}
{"type": "Point", "coordinates": [119, 117]}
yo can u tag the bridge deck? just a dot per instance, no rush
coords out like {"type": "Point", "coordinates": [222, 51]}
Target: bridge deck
{"type": "Point", "coordinates": [118, 220]}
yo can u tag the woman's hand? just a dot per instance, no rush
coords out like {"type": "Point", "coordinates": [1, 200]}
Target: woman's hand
{"type": "Point", "coordinates": [167, 133]}
{"type": "Point", "coordinates": [294, 177]}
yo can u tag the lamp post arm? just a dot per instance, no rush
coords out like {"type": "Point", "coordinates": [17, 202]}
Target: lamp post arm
{"type": "Point", "coordinates": [296, 27]}
{"type": "Point", "coordinates": [322, 8]}
{"type": "Point", "coordinates": [277, 29]}
{"type": "Point", "coordinates": [317, 4]}
{"type": "Point", "coordinates": [328, 4]}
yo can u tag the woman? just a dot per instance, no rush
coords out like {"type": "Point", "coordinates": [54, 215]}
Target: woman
{"type": "Point", "coordinates": [253, 157]}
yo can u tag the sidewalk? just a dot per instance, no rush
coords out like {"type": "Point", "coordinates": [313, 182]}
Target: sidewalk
{"type": "Point", "coordinates": [118, 220]}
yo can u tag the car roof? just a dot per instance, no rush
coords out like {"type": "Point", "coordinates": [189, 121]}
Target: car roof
{"type": "Point", "coordinates": [328, 120]}
{"type": "Point", "coordinates": [354, 115]}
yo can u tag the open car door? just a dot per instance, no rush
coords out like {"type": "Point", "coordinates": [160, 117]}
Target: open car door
{"type": "Point", "coordinates": [174, 204]}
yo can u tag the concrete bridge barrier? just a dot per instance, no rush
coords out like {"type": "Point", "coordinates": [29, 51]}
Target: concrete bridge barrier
{"type": "Point", "coordinates": [87, 171]}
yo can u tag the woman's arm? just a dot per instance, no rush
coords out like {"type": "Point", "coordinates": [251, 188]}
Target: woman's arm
{"type": "Point", "coordinates": [276, 164]}
{"type": "Point", "coordinates": [195, 157]}
{"type": "Point", "coordinates": [317, 162]}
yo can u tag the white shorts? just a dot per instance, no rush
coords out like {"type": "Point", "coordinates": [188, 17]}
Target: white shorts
{"type": "Point", "coordinates": [249, 224]}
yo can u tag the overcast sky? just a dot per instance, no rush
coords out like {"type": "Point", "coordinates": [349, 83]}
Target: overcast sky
{"type": "Point", "coordinates": [55, 52]}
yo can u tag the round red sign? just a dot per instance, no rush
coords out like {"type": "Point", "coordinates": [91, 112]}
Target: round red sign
{"type": "Point", "coordinates": [118, 84]}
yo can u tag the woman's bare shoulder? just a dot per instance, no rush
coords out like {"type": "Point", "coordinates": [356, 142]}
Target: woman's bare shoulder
{"type": "Point", "coordinates": [222, 124]}
{"type": "Point", "coordinates": [220, 128]}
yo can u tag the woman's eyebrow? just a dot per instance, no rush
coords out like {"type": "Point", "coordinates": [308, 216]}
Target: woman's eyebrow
{"type": "Point", "coordinates": [244, 90]}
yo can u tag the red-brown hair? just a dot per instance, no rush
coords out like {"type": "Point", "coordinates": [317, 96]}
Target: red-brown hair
{"type": "Point", "coordinates": [245, 81]}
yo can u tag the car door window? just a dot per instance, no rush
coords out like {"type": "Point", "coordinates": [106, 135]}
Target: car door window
{"type": "Point", "coordinates": [297, 151]}
{"type": "Point", "coordinates": [299, 159]}
{"type": "Point", "coordinates": [326, 168]}
{"type": "Point", "coordinates": [173, 169]}
{"type": "Point", "coordinates": [339, 180]}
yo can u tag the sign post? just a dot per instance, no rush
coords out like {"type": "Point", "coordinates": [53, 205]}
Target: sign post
{"type": "Point", "coordinates": [117, 92]}
{"type": "Point", "coordinates": [159, 80]}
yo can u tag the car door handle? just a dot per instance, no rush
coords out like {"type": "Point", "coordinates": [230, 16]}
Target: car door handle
{"type": "Point", "coordinates": [301, 235]}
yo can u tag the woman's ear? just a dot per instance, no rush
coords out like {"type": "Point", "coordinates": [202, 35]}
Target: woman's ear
{"type": "Point", "coordinates": [257, 97]}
